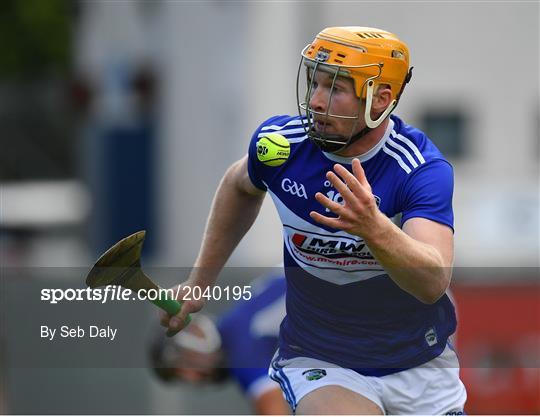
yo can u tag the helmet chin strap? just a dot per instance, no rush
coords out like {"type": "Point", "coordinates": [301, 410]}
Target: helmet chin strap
{"type": "Point", "coordinates": [334, 143]}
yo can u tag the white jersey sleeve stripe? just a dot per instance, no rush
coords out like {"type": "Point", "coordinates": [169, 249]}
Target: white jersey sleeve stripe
{"type": "Point", "coordinates": [284, 134]}
{"type": "Point", "coordinates": [404, 151]}
{"type": "Point", "coordinates": [296, 140]}
{"type": "Point", "coordinates": [283, 131]}
{"type": "Point", "coordinates": [295, 122]}
{"type": "Point", "coordinates": [397, 158]}
{"type": "Point", "coordinates": [411, 145]}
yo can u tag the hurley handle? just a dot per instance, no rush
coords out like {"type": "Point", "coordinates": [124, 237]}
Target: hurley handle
{"type": "Point", "coordinates": [171, 307]}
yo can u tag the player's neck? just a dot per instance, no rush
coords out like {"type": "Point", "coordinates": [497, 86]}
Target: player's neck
{"type": "Point", "coordinates": [366, 143]}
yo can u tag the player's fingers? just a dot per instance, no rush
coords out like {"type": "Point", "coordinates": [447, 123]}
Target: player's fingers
{"type": "Point", "coordinates": [359, 173]}
{"type": "Point", "coordinates": [327, 221]}
{"type": "Point", "coordinates": [343, 212]}
{"type": "Point", "coordinates": [164, 318]}
{"type": "Point", "coordinates": [177, 322]}
{"type": "Point", "coordinates": [329, 204]}
{"type": "Point", "coordinates": [340, 186]}
{"type": "Point", "coordinates": [351, 181]}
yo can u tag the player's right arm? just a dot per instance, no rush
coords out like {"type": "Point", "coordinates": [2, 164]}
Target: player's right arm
{"type": "Point", "coordinates": [235, 207]}
{"type": "Point", "coordinates": [236, 204]}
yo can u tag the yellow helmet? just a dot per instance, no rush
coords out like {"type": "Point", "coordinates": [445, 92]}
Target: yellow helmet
{"type": "Point", "coordinates": [365, 53]}
{"type": "Point", "coordinates": [371, 57]}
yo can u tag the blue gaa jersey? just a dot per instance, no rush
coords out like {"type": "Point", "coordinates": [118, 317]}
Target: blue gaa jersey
{"type": "Point", "coordinates": [341, 305]}
{"type": "Point", "coordinates": [249, 334]}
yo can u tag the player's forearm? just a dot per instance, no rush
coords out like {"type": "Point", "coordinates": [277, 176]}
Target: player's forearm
{"type": "Point", "coordinates": [416, 267]}
{"type": "Point", "coordinates": [232, 214]}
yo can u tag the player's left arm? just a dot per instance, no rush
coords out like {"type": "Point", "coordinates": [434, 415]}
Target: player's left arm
{"type": "Point", "coordinates": [418, 257]}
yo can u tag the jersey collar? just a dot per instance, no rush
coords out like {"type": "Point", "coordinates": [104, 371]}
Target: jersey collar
{"type": "Point", "coordinates": [365, 156]}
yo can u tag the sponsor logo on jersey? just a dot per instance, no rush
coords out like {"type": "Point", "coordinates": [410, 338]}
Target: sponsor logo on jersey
{"type": "Point", "coordinates": [292, 187]}
{"type": "Point", "coordinates": [314, 374]}
{"type": "Point", "coordinates": [431, 336]}
{"type": "Point", "coordinates": [330, 246]}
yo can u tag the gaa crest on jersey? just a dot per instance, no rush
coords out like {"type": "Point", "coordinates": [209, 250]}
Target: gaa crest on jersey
{"type": "Point", "coordinates": [294, 188]}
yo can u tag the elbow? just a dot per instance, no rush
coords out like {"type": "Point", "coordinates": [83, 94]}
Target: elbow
{"type": "Point", "coordinates": [237, 177]}
{"type": "Point", "coordinates": [434, 292]}
{"type": "Point", "coordinates": [431, 298]}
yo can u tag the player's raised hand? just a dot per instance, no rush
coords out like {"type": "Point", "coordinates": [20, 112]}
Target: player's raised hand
{"type": "Point", "coordinates": [359, 214]}
{"type": "Point", "coordinates": [184, 294]}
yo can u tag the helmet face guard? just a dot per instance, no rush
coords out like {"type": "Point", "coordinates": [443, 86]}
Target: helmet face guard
{"type": "Point", "coordinates": [340, 53]}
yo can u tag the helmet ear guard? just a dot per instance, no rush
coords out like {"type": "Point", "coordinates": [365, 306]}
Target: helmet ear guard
{"type": "Point", "coordinates": [369, 97]}
{"type": "Point", "coordinates": [372, 124]}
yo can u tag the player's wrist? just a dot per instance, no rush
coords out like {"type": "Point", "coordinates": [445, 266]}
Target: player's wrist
{"type": "Point", "coordinates": [380, 231]}
{"type": "Point", "coordinates": [202, 277]}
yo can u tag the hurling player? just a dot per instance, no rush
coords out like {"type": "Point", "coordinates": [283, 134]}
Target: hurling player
{"type": "Point", "coordinates": [368, 317]}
